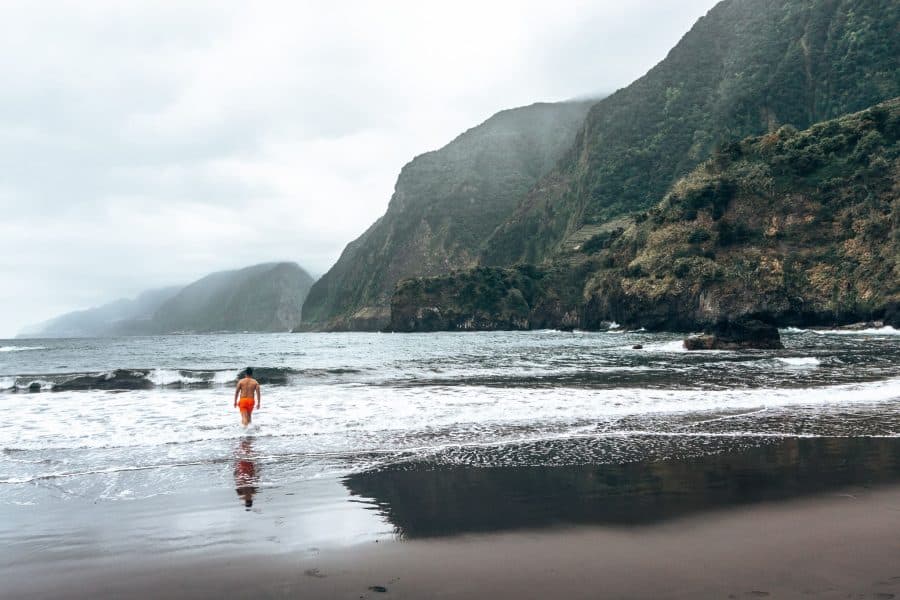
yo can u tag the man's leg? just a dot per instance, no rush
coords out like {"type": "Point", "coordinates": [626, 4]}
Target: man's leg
{"type": "Point", "coordinates": [245, 418]}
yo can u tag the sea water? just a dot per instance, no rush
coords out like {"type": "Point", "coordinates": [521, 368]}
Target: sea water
{"type": "Point", "coordinates": [342, 404]}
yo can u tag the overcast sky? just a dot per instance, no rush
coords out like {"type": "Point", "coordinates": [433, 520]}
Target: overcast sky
{"type": "Point", "coordinates": [149, 143]}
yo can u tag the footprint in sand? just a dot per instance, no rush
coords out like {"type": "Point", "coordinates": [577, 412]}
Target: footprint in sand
{"type": "Point", "coordinates": [757, 593]}
{"type": "Point", "coordinates": [315, 573]}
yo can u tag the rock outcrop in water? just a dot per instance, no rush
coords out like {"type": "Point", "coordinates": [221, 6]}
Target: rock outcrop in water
{"type": "Point", "coordinates": [265, 297]}
{"type": "Point", "coordinates": [445, 205]}
{"type": "Point", "coordinates": [739, 334]}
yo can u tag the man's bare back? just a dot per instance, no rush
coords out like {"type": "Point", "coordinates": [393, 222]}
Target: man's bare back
{"type": "Point", "coordinates": [247, 396]}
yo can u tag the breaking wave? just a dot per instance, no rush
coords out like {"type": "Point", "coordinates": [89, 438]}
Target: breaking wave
{"type": "Point", "coordinates": [886, 330]}
{"type": "Point", "coordinates": [142, 379]}
{"type": "Point", "coordinates": [802, 362]}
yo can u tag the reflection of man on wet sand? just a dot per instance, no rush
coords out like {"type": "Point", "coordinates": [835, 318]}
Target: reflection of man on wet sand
{"type": "Point", "coordinates": [245, 476]}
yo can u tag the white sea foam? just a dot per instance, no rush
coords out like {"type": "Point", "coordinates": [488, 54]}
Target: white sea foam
{"type": "Point", "coordinates": [886, 330]}
{"type": "Point", "coordinates": [793, 330]}
{"type": "Point", "coordinates": [164, 377]}
{"type": "Point", "coordinates": [804, 362]}
{"type": "Point", "coordinates": [364, 418]}
{"type": "Point", "coordinates": [20, 348]}
{"type": "Point", "coordinates": [673, 346]}
{"type": "Point", "coordinates": [224, 377]}
{"type": "Point", "coordinates": [25, 384]}
{"type": "Point", "coordinates": [409, 398]}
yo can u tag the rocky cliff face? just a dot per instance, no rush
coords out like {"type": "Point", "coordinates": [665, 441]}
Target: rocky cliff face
{"type": "Point", "coordinates": [791, 228]}
{"type": "Point", "coordinates": [445, 204]}
{"type": "Point", "coordinates": [746, 68]}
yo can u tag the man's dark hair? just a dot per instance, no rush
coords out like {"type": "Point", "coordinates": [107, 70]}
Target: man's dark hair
{"type": "Point", "coordinates": [248, 371]}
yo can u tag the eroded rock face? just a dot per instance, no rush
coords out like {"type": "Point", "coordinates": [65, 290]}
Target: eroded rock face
{"type": "Point", "coordinates": [445, 205]}
{"type": "Point", "coordinates": [740, 334]}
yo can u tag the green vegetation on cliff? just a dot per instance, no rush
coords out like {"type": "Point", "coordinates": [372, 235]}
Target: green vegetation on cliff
{"type": "Point", "coordinates": [445, 205]}
{"type": "Point", "coordinates": [794, 227]}
{"type": "Point", "coordinates": [746, 68]}
{"type": "Point", "coordinates": [791, 228]}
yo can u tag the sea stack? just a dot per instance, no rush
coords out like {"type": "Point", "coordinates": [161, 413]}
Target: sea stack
{"type": "Point", "coordinates": [739, 334]}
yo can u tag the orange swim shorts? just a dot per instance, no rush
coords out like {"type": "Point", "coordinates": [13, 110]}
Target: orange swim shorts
{"type": "Point", "coordinates": [246, 404]}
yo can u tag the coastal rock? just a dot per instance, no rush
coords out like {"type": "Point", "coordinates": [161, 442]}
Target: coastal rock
{"type": "Point", "coordinates": [892, 315]}
{"type": "Point", "coordinates": [491, 299]}
{"type": "Point", "coordinates": [741, 334]}
{"type": "Point", "coordinates": [119, 379]}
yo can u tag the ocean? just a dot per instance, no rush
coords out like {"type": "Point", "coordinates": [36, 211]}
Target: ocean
{"type": "Point", "coordinates": [346, 404]}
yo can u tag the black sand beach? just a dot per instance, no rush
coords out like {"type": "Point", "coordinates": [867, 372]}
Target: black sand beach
{"type": "Point", "coordinates": [791, 518]}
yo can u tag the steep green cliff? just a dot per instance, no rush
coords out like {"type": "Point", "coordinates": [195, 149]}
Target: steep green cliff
{"type": "Point", "coordinates": [746, 68]}
{"type": "Point", "coordinates": [445, 204]}
{"type": "Point", "coordinates": [791, 227]}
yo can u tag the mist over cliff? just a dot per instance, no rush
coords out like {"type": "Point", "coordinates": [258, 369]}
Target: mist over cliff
{"type": "Point", "coordinates": [265, 297]}
{"type": "Point", "coordinates": [445, 205]}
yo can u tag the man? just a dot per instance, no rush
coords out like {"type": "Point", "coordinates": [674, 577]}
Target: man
{"type": "Point", "coordinates": [247, 389]}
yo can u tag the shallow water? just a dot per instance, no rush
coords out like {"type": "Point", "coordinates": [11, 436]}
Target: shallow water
{"type": "Point", "coordinates": [353, 403]}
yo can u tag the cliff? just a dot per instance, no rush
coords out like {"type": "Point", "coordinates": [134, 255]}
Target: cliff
{"type": "Point", "coordinates": [445, 205]}
{"type": "Point", "coordinates": [746, 68]}
{"type": "Point", "coordinates": [266, 297]}
{"type": "Point", "coordinates": [792, 228]}
{"type": "Point", "coordinates": [795, 228]}
{"type": "Point", "coordinates": [104, 320]}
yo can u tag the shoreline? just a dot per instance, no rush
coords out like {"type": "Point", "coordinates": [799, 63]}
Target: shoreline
{"type": "Point", "coordinates": [805, 517]}
{"type": "Point", "coordinates": [830, 546]}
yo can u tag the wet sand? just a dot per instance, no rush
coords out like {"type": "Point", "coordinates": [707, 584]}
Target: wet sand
{"type": "Point", "coordinates": [795, 518]}
{"type": "Point", "coordinates": [837, 546]}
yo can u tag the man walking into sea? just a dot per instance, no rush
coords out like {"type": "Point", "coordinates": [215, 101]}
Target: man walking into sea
{"type": "Point", "coordinates": [250, 396]}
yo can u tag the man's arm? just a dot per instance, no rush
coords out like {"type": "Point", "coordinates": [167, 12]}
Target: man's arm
{"type": "Point", "coordinates": [258, 396]}
{"type": "Point", "coordinates": [237, 389]}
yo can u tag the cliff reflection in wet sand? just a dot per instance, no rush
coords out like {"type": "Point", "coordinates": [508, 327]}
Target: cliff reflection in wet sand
{"type": "Point", "coordinates": [427, 500]}
{"type": "Point", "coordinates": [245, 472]}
